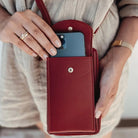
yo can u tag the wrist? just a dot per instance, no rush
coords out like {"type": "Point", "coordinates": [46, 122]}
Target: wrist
{"type": "Point", "coordinates": [119, 54]}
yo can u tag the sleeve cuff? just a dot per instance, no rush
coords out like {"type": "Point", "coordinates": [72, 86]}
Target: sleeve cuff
{"type": "Point", "coordinates": [129, 11]}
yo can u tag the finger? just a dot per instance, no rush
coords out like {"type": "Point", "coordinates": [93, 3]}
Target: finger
{"type": "Point", "coordinates": [104, 101]}
{"type": "Point", "coordinates": [29, 41]}
{"type": "Point", "coordinates": [45, 28]}
{"type": "Point", "coordinates": [14, 38]}
{"type": "Point", "coordinates": [41, 39]}
{"type": "Point", "coordinates": [111, 96]}
{"type": "Point", "coordinates": [19, 43]}
{"type": "Point", "coordinates": [100, 107]}
{"type": "Point", "coordinates": [36, 33]}
{"type": "Point", "coordinates": [108, 107]}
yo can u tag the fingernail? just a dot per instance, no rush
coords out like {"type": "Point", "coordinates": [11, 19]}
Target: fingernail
{"type": "Point", "coordinates": [58, 43]}
{"type": "Point", "coordinates": [45, 56]}
{"type": "Point", "coordinates": [98, 114]}
{"type": "Point", "coordinates": [34, 55]}
{"type": "Point", "coordinates": [53, 52]}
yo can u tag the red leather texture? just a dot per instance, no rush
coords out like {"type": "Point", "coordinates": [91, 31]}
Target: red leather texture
{"type": "Point", "coordinates": [71, 97]}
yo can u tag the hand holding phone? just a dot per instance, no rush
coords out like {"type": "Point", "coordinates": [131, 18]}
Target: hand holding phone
{"type": "Point", "coordinates": [73, 44]}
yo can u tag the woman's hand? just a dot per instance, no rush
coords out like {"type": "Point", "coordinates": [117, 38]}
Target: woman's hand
{"type": "Point", "coordinates": [41, 39]}
{"type": "Point", "coordinates": [111, 67]}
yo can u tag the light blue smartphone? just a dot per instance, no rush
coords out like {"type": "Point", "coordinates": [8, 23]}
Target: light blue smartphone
{"type": "Point", "coordinates": [73, 44]}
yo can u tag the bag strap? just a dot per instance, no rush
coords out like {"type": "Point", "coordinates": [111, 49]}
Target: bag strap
{"type": "Point", "coordinates": [44, 11]}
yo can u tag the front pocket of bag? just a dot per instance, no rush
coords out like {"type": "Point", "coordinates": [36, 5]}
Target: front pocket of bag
{"type": "Point", "coordinates": [70, 93]}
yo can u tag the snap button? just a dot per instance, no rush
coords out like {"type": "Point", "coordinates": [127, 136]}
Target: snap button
{"type": "Point", "coordinates": [70, 69]}
{"type": "Point", "coordinates": [70, 28]}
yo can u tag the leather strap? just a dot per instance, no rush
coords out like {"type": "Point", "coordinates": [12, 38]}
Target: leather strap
{"type": "Point", "coordinates": [44, 11]}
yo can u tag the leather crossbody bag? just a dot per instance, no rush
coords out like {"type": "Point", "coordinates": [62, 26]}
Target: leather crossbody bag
{"type": "Point", "coordinates": [72, 96]}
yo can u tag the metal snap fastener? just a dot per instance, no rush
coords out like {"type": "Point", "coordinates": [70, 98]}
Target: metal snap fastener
{"type": "Point", "coordinates": [70, 69]}
{"type": "Point", "coordinates": [70, 28]}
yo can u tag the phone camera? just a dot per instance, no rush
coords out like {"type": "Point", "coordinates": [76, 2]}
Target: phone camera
{"type": "Point", "coordinates": [62, 39]}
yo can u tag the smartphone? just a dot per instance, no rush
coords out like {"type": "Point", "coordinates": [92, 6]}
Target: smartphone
{"type": "Point", "coordinates": [73, 44]}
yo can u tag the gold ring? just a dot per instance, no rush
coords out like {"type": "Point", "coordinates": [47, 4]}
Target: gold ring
{"type": "Point", "coordinates": [24, 35]}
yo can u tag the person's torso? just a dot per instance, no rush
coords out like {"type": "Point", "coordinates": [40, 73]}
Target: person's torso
{"type": "Point", "coordinates": [89, 11]}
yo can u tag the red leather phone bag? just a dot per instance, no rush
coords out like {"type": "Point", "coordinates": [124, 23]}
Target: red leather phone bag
{"type": "Point", "coordinates": [72, 84]}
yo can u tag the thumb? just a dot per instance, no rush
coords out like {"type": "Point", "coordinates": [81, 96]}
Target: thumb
{"type": "Point", "coordinates": [100, 107]}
